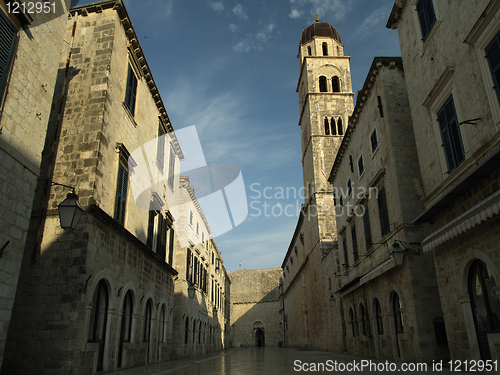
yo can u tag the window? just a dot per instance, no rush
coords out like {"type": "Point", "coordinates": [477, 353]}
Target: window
{"type": "Point", "coordinates": [190, 217]}
{"type": "Point", "coordinates": [363, 317]}
{"type": "Point", "coordinates": [361, 167]}
{"type": "Point", "coordinates": [349, 187]}
{"type": "Point", "coordinates": [354, 243]}
{"type": "Point", "coordinates": [171, 168]}
{"type": "Point", "coordinates": [493, 56]}
{"type": "Point", "coordinates": [186, 330]}
{"type": "Point", "coordinates": [157, 232]}
{"type": "Point", "coordinates": [322, 84]}
{"type": "Point", "coordinates": [309, 52]}
{"type": "Point", "coordinates": [7, 41]}
{"type": "Point", "coordinates": [171, 238]}
{"type": "Point", "coordinates": [98, 320]}
{"type": "Point", "coordinates": [335, 84]}
{"type": "Point", "coordinates": [398, 318]}
{"type": "Point", "coordinates": [383, 212]}
{"type": "Point", "coordinates": [352, 321]}
{"type": "Point", "coordinates": [162, 326]}
{"type": "Point", "coordinates": [380, 108]}
{"type": "Point", "coordinates": [341, 201]}
{"type": "Point", "coordinates": [378, 316]}
{"type": "Point", "coordinates": [333, 126]}
{"type": "Point", "coordinates": [160, 149]}
{"type": "Point", "coordinates": [131, 90]}
{"type": "Point", "coordinates": [197, 228]}
{"type": "Point", "coordinates": [346, 258]}
{"type": "Point", "coordinates": [325, 49]}
{"type": "Point", "coordinates": [339, 127]}
{"type": "Point", "coordinates": [374, 140]}
{"type": "Point", "coordinates": [327, 127]}
{"type": "Point", "coordinates": [450, 134]}
{"type": "Point", "coordinates": [426, 17]}
{"type": "Point", "coordinates": [189, 267]}
{"type": "Point", "coordinates": [121, 193]}
{"type": "Point", "coordinates": [368, 229]}
{"type": "Point", "coordinates": [126, 325]}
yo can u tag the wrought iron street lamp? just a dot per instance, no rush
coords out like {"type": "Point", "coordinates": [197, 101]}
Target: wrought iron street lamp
{"type": "Point", "coordinates": [397, 254]}
{"type": "Point", "coordinates": [191, 290]}
{"type": "Point", "coordinates": [333, 301]}
{"type": "Point", "coordinates": [70, 211]}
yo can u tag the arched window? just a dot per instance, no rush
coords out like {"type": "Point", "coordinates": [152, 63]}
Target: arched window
{"type": "Point", "coordinates": [362, 316]}
{"type": "Point", "coordinates": [327, 127]}
{"type": "Point", "coordinates": [147, 326]}
{"type": "Point", "coordinates": [162, 326]}
{"type": "Point", "coordinates": [486, 310]}
{"type": "Point", "coordinates": [194, 330]}
{"type": "Point", "coordinates": [335, 84]}
{"type": "Point", "coordinates": [398, 318]}
{"type": "Point", "coordinates": [378, 317]}
{"type": "Point", "coordinates": [351, 320]}
{"type": "Point", "coordinates": [325, 49]}
{"type": "Point", "coordinates": [322, 84]}
{"type": "Point", "coordinates": [309, 52]}
{"type": "Point", "coordinates": [340, 128]}
{"type": "Point", "coordinates": [333, 126]}
{"type": "Point", "coordinates": [126, 325]}
{"type": "Point", "coordinates": [98, 320]}
{"type": "Point", "coordinates": [186, 330]}
{"type": "Point", "coordinates": [199, 333]}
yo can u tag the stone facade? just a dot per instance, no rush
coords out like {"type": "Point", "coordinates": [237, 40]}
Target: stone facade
{"type": "Point", "coordinates": [255, 308]}
{"type": "Point", "coordinates": [389, 310]}
{"type": "Point", "coordinates": [460, 189]}
{"type": "Point", "coordinates": [325, 103]}
{"type": "Point", "coordinates": [202, 286]}
{"type": "Point", "coordinates": [101, 297]}
{"type": "Point", "coordinates": [28, 76]}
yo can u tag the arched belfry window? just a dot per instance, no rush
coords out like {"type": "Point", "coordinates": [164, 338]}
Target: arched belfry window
{"type": "Point", "coordinates": [485, 306]}
{"type": "Point", "coordinates": [325, 49]}
{"type": "Point", "coordinates": [309, 52]}
{"type": "Point", "coordinates": [327, 127]}
{"type": "Point", "coordinates": [333, 126]}
{"type": "Point", "coordinates": [335, 84]}
{"type": "Point", "coordinates": [322, 84]}
{"type": "Point", "coordinates": [340, 129]}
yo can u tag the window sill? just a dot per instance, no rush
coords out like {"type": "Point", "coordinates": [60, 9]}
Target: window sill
{"type": "Point", "coordinates": [129, 114]}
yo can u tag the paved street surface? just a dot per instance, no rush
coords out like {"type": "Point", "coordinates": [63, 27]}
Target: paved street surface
{"type": "Point", "coordinates": [269, 361]}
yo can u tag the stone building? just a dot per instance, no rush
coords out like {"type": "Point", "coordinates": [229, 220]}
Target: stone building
{"type": "Point", "coordinates": [99, 297]}
{"type": "Point", "coordinates": [201, 288]}
{"type": "Point", "coordinates": [31, 46]}
{"type": "Point", "coordinates": [456, 119]}
{"type": "Point", "coordinates": [389, 310]}
{"type": "Point", "coordinates": [325, 100]}
{"type": "Point", "coordinates": [255, 308]}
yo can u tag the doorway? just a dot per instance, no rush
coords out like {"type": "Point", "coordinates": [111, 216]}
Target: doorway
{"type": "Point", "coordinates": [260, 339]}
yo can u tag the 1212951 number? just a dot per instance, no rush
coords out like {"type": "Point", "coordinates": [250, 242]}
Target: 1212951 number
{"type": "Point", "coordinates": [31, 7]}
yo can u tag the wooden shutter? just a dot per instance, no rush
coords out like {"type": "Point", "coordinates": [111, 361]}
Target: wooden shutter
{"type": "Point", "coordinates": [450, 134]}
{"type": "Point", "coordinates": [354, 243]}
{"type": "Point", "coordinates": [368, 229]}
{"type": "Point", "coordinates": [493, 55]}
{"type": "Point", "coordinates": [121, 194]}
{"type": "Point", "coordinates": [131, 90]}
{"type": "Point", "coordinates": [346, 258]}
{"type": "Point", "coordinates": [383, 213]}
{"type": "Point", "coordinates": [8, 35]}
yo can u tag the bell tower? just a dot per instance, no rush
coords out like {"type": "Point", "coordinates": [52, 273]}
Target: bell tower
{"type": "Point", "coordinates": [326, 102]}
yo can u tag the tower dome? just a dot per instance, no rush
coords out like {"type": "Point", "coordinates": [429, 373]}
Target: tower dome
{"type": "Point", "coordinates": [319, 29]}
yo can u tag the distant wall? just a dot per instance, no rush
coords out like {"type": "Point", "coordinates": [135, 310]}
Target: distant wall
{"type": "Point", "coordinates": [255, 307]}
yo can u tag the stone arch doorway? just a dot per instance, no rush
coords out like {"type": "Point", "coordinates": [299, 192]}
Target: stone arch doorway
{"type": "Point", "coordinates": [259, 333]}
{"type": "Point", "coordinates": [260, 337]}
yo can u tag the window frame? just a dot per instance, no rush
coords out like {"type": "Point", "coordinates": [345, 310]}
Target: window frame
{"type": "Point", "coordinates": [449, 145]}
{"type": "Point", "coordinates": [372, 135]}
{"type": "Point", "coordinates": [131, 86]}
{"type": "Point", "coordinates": [121, 193]}
{"type": "Point", "coordinates": [425, 15]}
{"type": "Point", "coordinates": [7, 64]}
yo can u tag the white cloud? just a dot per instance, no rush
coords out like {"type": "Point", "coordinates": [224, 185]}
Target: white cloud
{"type": "Point", "coordinates": [261, 37]}
{"type": "Point", "coordinates": [269, 28]}
{"type": "Point", "coordinates": [373, 20]}
{"type": "Point", "coordinates": [240, 12]}
{"type": "Point", "coordinates": [233, 27]}
{"type": "Point", "coordinates": [217, 6]}
{"type": "Point", "coordinates": [295, 13]}
{"type": "Point", "coordinates": [242, 47]}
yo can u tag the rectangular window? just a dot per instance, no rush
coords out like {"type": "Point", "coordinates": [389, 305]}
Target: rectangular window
{"type": "Point", "coordinates": [131, 90]}
{"type": "Point", "coordinates": [368, 229]}
{"type": "Point", "coordinates": [171, 168]}
{"type": "Point", "coordinates": [361, 167]}
{"type": "Point", "coordinates": [450, 134]}
{"type": "Point", "coordinates": [171, 238]}
{"type": "Point", "coordinates": [188, 265]}
{"type": "Point", "coordinates": [493, 55]}
{"type": "Point", "coordinates": [160, 149]}
{"type": "Point", "coordinates": [121, 194]}
{"type": "Point", "coordinates": [349, 187]}
{"type": "Point", "coordinates": [355, 252]}
{"type": "Point", "coordinates": [190, 217]}
{"type": "Point", "coordinates": [426, 17]}
{"type": "Point", "coordinates": [383, 212]}
{"type": "Point", "coordinates": [346, 258]}
{"type": "Point", "coordinates": [8, 34]}
{"type": "Point", "coordinates": [374, 140]}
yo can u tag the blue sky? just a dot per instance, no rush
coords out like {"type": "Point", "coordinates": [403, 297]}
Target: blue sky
{"type": "Point", "coordinates": [231, 68]}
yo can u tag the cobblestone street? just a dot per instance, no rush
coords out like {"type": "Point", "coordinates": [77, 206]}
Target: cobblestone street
{"type": "Point", "coordinates": [249, 361]}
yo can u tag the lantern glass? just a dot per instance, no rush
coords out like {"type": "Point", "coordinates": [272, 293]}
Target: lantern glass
{"type": "Point", "coordinates": [333, 302]}
{"type": "Point", "coordinates": [70, 211]}
{"type": "Point", "coordinates": [397, 254]}
{"type": "Point", "coordinates": [191, 291]}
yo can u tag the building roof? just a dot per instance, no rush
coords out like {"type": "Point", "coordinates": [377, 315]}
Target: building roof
{"type": "Point", "coordinates": [323, 29]}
